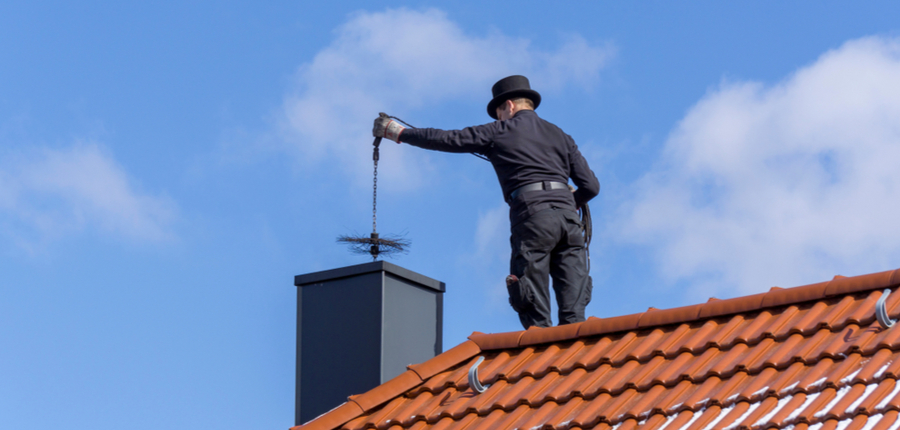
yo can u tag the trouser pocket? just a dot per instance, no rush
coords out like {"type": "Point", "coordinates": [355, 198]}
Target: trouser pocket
{"type": "Point", "coordinates": [521, 296]}
{"type": "Point", "coordinates": [589, 290]}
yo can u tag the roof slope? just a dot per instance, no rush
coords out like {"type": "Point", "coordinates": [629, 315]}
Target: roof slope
{"type": "Point", "coordinates": [807, 357]}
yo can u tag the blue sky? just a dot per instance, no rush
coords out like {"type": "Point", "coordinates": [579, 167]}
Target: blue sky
{"type": "Point", "coordinates": [166, 169]}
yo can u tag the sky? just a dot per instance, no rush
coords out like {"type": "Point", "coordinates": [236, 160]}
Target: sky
{"type": "Point", "coordinates": [166, 168]}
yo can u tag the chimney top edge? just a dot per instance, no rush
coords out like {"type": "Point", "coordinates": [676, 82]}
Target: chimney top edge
{"type": "Point", "coordinates": [362, 269]}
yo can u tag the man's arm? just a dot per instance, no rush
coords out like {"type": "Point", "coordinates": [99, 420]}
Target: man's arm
{"type": "Point", "coordinates": [470, 139]}
{"type": "Point", "coordinates": [475, 139]}
{"type": "Point", "coordinates": [582, 176]}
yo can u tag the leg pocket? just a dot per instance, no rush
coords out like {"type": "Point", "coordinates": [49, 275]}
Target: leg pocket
{"type": "Point", "coordinates": [521, 296]}
{"type": "Point", "coordinates": [589, 289]}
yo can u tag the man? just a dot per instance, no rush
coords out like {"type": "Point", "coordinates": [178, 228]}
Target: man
{"type": "Point", "coordinates": [534, 161]}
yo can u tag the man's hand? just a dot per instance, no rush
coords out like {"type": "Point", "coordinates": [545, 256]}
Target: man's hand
{"type": "Point", "coordinates": [387, 128]}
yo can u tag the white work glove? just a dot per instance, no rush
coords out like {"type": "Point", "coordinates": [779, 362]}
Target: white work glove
{"type": "Point", "coordinates": [387, 128]}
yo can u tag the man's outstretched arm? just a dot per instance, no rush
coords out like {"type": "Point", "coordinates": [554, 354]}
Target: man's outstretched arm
{"type": "Point", "coordinates": [475, 139]}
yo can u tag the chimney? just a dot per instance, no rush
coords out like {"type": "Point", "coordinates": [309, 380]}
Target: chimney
{"type": "Point", "coordinates": [360, 326]}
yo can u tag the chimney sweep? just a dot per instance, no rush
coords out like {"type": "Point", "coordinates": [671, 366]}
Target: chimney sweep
{"type": "Point", "coordinates": [534, 161]}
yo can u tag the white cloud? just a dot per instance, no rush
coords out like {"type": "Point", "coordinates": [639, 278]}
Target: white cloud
{"type": "Point", "coordinates": [400, 60]}
{"type": "Point", "coordinates": [784, 184]}
{"type": "Point", "coordinates": [50, 192]}
{"type": "Point", "coordinates": [489, 263]}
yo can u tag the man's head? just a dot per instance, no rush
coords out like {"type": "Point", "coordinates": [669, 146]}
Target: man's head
{"type": "Point", "coordinates": [510, 89]}
{"type": "Point", "coordinates": [508, 108]}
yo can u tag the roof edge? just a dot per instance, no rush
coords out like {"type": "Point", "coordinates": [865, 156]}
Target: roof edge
{"type": "Point", "coordinates": [775, 297]}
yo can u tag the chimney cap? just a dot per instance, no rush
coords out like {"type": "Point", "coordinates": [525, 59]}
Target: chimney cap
{"type": "Point", "coordinates": [361, 269]}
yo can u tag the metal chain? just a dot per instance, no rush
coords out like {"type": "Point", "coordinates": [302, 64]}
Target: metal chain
{"type": "Point", "coordinates": [375, 185]}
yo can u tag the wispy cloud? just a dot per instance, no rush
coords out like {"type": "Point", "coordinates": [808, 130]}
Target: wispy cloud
{"type": "Point", "coordinates": [46, 193]}
{"type": "Point", "coordinates": [399, 60]}
{"type": "Point", "coordinates": [783, 184]}
{"type": "Point", "coordinates": [489, 262]}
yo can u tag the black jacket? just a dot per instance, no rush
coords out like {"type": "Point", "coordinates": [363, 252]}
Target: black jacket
{"type": "Point", "coordinates": [523, 149]}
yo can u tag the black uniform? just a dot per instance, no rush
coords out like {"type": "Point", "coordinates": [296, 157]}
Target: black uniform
{"type": "Point", "coordinates": [546, 230]}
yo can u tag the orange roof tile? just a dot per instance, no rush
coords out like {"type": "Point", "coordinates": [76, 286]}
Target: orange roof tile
{"type": "Point", "coordinates": [811, 357]}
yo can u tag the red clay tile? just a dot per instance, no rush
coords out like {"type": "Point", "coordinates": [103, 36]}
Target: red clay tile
{"type": "Point", "coordinates": [590, 412]}
{"type": "Point", "coordinates": [679, 421]}
{"type": "Point", "coordinates": [887, 338]}
{"type": "Point", "coordinates": [616, 411]}
{"type": "Point", "coordinates": [789, 406]}
{"type": "Point", "coordinates": [785, 296]}
{"type": "Point", "coordinates": [629, 424]}
{"type": "Point", "coordinates": [865, 309]}
{"type": "Point", "coordinates": [673, 340]}
{"type": "Point", "coordinates": [594, 354]}
{"type": "Point", "coordinates": [673, 369]}
{"type": "Point", "coordinates": [809, 351]}
{"type": "Point", "coordinates": [645, 347]}
{"type": "Point", "coordinates": [645, 402]}
{"type": "Point", "coordinates": [615, 379]}
{"type": "Point", "coordinates": [645, 375]}
{"type": "Point", "coordinates": [565, 413]}
{"type": "Point", "coordinates": [387, 391]}
{"type": "Point", "coordinates": [756, 331]}
{"type": "Point", "coordinates": [655, 422]}
{"type": "Point", "coordinates": [670, 316]}
{"type": "Point", "coordinates": [513, 367]}
{"type": "Point", "coordinates": [334, 418]}
{"type": "Point", "coordinates": [859, 283]}
{"type": "Point", "coordinates": [551, 334]}
{"type": "Point", "coordinates": [699, 338]}
{"type": "Point", "coordinates": [568, 360]}
{"type": "Point", "coordinates": [731, 306]}
{"type": "Point", "coordinates": [609, 325]}
{"type": "Point", "coordinates": [540, 362]}
{"type": "Point", "coordinates": [812, 319]}
{"type": "Point", "coordinates": [726, 332]}
{"type": "Point", "coordinates": [450, 358]}
{"type": "Point", "coordinates": [836, 312]}
{"type": "Point", "coordinates": [568, 387]}
{"type": "Point", "coordinates": [780, 324]}
{"type": "Point", "coordinates": [618, 352]}
{"type": "Point", "coordinates": [507, 340]}
{"type": "Point", "coordinates": [886, 421]}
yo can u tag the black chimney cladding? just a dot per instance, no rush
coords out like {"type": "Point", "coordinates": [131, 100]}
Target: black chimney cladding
{"type": "Point", "coordinates": [360, 326]}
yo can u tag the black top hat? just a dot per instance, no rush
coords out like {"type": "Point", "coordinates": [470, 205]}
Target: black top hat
{"type": "Point", "coordinates": [511, 87]}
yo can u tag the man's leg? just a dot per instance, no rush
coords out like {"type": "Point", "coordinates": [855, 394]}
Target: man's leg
{"type": "Point", "coordinates": [529, 294]}
{"type": "Point", "coordinates": [571, 281]}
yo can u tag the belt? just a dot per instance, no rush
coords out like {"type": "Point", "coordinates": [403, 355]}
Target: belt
{"type": "Point", "coordinates": [545, 185]}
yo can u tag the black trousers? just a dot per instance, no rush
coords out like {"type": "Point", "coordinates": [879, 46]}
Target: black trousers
{"type": "Point", "coordinates": [549, 242]}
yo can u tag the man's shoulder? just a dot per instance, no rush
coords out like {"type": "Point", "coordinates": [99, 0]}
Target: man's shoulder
{"type": "Point", "coordinates": [533, 116]}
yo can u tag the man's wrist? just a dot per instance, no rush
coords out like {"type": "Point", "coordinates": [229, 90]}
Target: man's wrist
{"type": "Point", "coordinates": [393, 130]}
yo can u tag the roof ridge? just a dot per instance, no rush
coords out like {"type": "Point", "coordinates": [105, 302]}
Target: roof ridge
{"type": "Point", "coordinates": [775, 297]}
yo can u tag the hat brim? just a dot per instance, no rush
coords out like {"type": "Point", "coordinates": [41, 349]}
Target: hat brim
{"type": "Point", "coordinates": [512, 94]}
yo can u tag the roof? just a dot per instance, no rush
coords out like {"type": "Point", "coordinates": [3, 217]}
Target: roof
{"type": "Point", "coordinates": [811, 357]}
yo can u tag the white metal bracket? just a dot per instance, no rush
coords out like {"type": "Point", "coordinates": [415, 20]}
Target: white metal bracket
{"type": "Point", "coordinates": [473, 377]}
{"type": "Point", "coordinates": [881, 310]}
